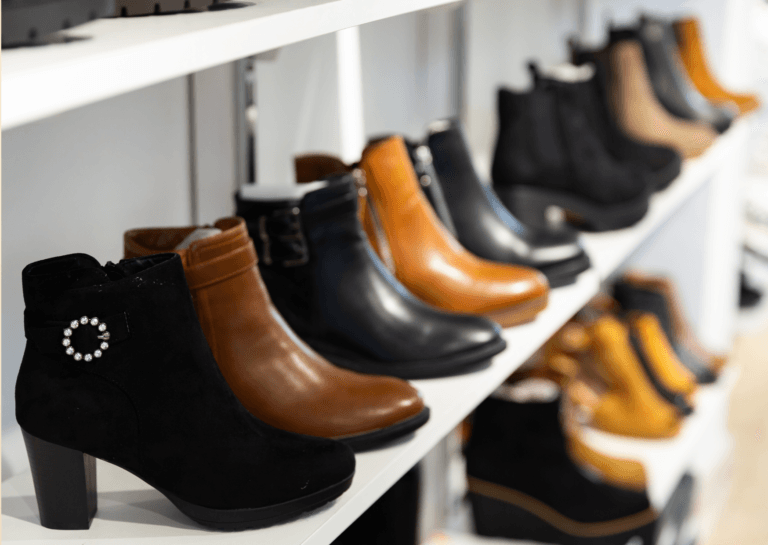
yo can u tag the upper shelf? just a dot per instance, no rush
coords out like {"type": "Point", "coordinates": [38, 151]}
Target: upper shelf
{"type": "Point", "coordinates": [132, 512]}
{"type": "Point", "coordinates": [113, 56]}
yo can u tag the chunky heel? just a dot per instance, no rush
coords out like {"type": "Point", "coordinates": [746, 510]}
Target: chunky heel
{"type": "Point", "coordinates": [527, 206]}
{"type": "Point", "coordinates": [65, 484]}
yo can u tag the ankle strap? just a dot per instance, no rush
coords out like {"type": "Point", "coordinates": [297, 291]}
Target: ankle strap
{"type": "Point", "coordinates": [282, 238]}
{"type": "Point", "coordinates": [221, 268]}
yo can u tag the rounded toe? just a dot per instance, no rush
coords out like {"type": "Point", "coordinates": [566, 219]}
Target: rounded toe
{"type": "Point", "coordinates": [392, 402]}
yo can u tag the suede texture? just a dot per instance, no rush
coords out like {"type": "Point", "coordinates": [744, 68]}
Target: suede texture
{"type": "Point", "coordinates": [156, 403]}
{"type": "Point", "coordinates": [545, 140]}
{"type": "Point", "coordinates": [522, 447]}
{"type": "Point", "coordinates": [660, 164]}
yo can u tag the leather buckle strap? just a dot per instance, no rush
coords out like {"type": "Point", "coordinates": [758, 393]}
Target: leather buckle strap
{"type": "Point", "coordinates": [221, 268]}
{"type": "Point", "coordinates": [65, 338]}
{"type": "Point", "coordinates": [282, 238]}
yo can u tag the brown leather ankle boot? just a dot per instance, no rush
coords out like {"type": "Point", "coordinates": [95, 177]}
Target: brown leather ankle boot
{"type": "Point", "coordinates": [411, 241]}
{"type": "Point", "coordinates": [425, 257]}
{"type": "Point", "coordinates": [278, 378]}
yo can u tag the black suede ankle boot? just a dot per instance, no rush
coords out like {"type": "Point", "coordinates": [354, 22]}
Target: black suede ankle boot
{"type": "Point", "coordinates": [523, 484]}
{"type": "Point", "coordinates": [333, 291]}
{"type": "Point", "coordinates": [548, 155]}
{"type": "Point", "coordinates": [478, 219]}
{"type": "Point", "coordinates": [117, 368]}
{"type": "Point", "coordinates": [659, 165]}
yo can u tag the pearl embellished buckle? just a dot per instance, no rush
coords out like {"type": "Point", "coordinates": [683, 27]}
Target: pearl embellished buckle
{"type": "Point", "coordinates": [93, 322]}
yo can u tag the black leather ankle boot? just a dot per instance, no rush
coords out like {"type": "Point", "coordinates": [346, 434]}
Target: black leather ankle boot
{"type": "Point", "coordinates": [333, 291]}
{"type": "Point", "coordinates": [670, 81]}
{"type": "Point", "coordinates": [117, 368]}
{"type": "Point", "coordinates": [659, 165]}
{"type": "Point", "coordinates": [548, 155]}
{"type": "Point", "coordinates": [479, 220]}
{"type": "Point", "coordinates": [523, 484]}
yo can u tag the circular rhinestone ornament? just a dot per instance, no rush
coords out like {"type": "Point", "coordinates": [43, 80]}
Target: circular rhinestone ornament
{"type": "Point", "coordinates": [93, 322]}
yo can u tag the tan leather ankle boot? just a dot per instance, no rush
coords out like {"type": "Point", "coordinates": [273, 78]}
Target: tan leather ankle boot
{"type": "Point", "coordinates": [637, 109]}
{"type": "Point", "coordinates": [278, 378]}
{"type": "Point", "coordinates": [612, 389]}
{"type": "Point", "coordinates": [431, 263]}
{"type": "Point", "coordinates": [410, 240]}
{"type": "Point", "coordinates": [695, 61]}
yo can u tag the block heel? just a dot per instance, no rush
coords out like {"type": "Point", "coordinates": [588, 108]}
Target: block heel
{"type": "Point", "coordinates": [531, 205]}
{"type": "Point", "coordinates": [65, 484]}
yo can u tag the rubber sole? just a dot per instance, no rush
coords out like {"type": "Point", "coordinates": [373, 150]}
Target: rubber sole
{"type": "Point", "coordinates": [375, 439]}
{"type": "Point", "coordinates": [564, 273]}
{"type": "Point", "coordinates": [513, 515]}
{"type": "Point", "coordinates": [531, 205]}
{"type": "Point", "coordinates": [65, 487]}
{"type": "Point", "coordinates": [518, 314]}
{"type": "Point", "coordinates": [27, 22]}
{"type": "Point", "coordinates": [414, 369]}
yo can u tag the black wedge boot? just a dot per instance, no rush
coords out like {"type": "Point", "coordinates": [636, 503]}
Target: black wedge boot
{"type": "Point", "coordinates": [333, 291]}
{"type": "Point", "coordinates": [480, 221]}
{"type": "Point", "coordinates": [524, 485]}
{"type": "Point", "coordinates": [117, 367]}
{"type": "Point", "coordinates": [548, 155]}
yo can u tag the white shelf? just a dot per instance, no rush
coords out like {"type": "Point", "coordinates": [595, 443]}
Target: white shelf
{"type": "Point", "coordinates": [608, 251]}
{"type": "Point", "coordinates": [131, 512]}
{"type": "Point", "coordinates": [125, 54]}
{"type": "Point", "coordinates": [667, 460]}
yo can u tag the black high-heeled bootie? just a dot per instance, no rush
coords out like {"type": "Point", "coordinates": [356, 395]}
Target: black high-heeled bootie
{"type": "Point", "coordinates": [117, 368]}
{"type": "Point", "coordinates": [479, 220]}
{"type": "Point", "coordinates": [548, 155]}
{"type": "Point", "coordinates": [334, 292]}
{"type": "Point", "coordinates": [523, 484]}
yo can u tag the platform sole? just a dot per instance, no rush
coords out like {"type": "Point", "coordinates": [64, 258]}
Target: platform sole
{"type": "Point", "coordinates": [413, 369]}
{"type": "Point", "coordinates": [502, 512]}
{"type": "Point", "coordinates": [65, 487]}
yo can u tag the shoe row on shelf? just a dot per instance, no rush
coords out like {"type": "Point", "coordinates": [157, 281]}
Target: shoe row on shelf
{"type": "Point", "coordinates": [239, 386]}
{"type": "Point", "coordinates": [627, 365]}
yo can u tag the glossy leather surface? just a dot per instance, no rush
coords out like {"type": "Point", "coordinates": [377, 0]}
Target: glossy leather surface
{"type": "Point", "coordinates": [272, 372]}
{"type": "Point", "coordinates": [626, 402]}
{"type": "Point", "coordinates": [660, 356]}
{"type": "Point", "coordinates": [426, 259]}
{"type": "Point", "coordinates": [343, 300]}
{"type": "Point", "coordinates": [481, 225]}
{"type": "Point", "coordinates": [690, 44]}
{"type": "Point", "coordinates": [638, 111]}
{"type": "Point", "coordinates": [670, 80]}
{"type": "Point", "coordinates": [657, 295]}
